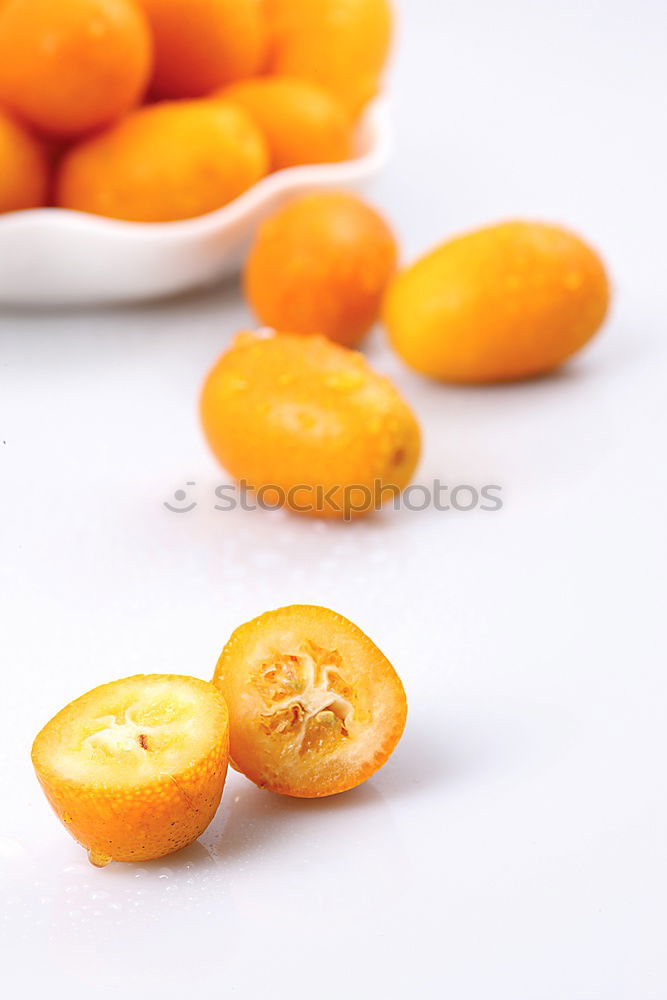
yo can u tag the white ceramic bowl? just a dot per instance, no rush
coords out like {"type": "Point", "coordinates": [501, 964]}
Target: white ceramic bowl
{"type": "Point", "coordinates": [52, 256]}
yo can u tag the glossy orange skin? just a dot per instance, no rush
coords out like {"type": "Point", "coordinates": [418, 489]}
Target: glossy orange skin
{"type": "Point", "coordinates": [321, 264]}
{"type": "Point", "coordinates": [167, 161]}
{"type": "Point", "coordinates": [503, 303]}
{"type": "Point", "coordinates": [341, 44]}
{"type": "Point", "coordinates": [284, 762]}
{"type": "Point", "coordinates": [71, 66]}
{"type": "Point", "coordinates": [301, 122]}
{"type": "Point", "coordinates": [145, 821]}
{"type": "Point", "coordinates": [203, 44]}
{"type": "Point", "coordinates": [24, 170]}
{"type": "Point", "coordinates": [304, 415]}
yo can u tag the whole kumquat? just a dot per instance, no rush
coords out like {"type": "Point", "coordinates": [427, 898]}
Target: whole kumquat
{"type": "Point", "coordinates": [164, 162]}
{"type": "Point", "coordinates": [301, 122]}
{"type": "Point", "coordinates": [340, 44]}
{"type": "Point", "coordinates": [502, 303]}
{"type": "Point", "coordinates": [71, 66]}
{"type": "Point", "coordinates": [321, 264]}
{"type": "Point", "coordinates": [203, 44]}
{"type": "Point", "coordinates": [309, 426]}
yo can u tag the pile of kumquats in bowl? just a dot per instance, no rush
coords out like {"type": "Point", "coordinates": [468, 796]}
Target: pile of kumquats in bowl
{"type": "Point", "coordinates": [162, 110]}
{"type": "Point", "coordinates": [302, 702]}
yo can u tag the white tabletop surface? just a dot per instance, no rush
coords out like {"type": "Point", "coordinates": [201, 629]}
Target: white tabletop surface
{"type": "Point", "coordinates": [514, 847]}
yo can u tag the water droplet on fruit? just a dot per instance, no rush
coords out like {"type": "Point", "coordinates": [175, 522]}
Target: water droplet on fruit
{"type": "Point", "coordinates": [98, 860]}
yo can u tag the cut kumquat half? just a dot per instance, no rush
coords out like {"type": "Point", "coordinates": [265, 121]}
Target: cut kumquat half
{"type": "Point", "coordinates": [135, 769]}
{"type": "Point", "coordinates": [315, 707]}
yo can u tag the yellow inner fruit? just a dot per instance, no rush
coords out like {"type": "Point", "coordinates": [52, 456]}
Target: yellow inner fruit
{"type": "Point", "coordinates": [136, 734]}
{"type": "Point", "coordinates": [308, 702]}
{"type": "Point", "coordinates": [127, 734]}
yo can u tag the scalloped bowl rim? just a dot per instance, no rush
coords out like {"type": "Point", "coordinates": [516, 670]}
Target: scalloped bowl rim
{"type": "Point", "coordinates": [375, 121]}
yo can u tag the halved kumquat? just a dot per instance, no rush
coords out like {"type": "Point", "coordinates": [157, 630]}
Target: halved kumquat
{"type": "Point", "coordinates": [315, 707]}
{"type": "Point", "coordinates": [135, 769]}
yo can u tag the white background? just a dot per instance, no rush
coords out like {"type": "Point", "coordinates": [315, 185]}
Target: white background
{"type": "Point", "coordinates": [514, 847]}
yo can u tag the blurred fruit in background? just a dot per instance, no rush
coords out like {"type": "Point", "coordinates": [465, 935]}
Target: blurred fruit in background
{"type": "Point", "coordinates": [23, 167]}
{"type": "Point", "coordinates": [70, 66]}
{"type": "Point", "coordinates": [75, 71]}
{"type": "Point", "coordinates": [264, 85]}
{"type": "Point", "coordinates": [321, 265]}
{"type": "Point", "coordinates": [302, 122]}
{"type": "Point", "coordinates": [165, 162]}
{"type": "Point", "coordinates": [203, 44]}
{"type": "Point", "coordinates": [309, 424]}
{"type": "Point", "coordinates": [341, 44]}
{"type": "Point", "coordinates": [502, 303]}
